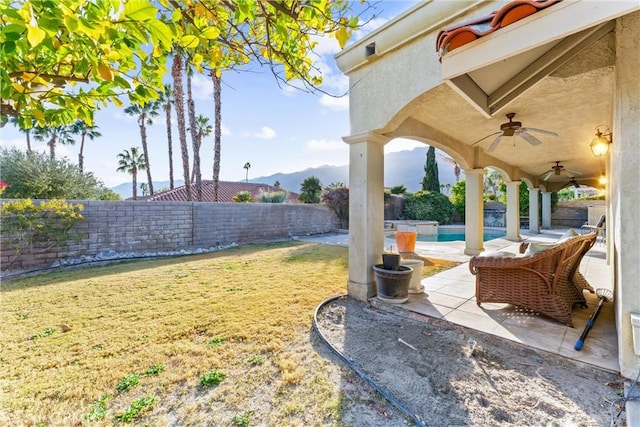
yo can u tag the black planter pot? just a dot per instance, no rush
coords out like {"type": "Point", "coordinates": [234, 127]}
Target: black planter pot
{"type": "Point", "coordinates": [393, 285]}
{"type": "Point", "coordinates": [391, 261]}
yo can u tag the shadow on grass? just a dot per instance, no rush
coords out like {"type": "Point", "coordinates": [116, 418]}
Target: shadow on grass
{"type": "Point", "coordinates": [303, 252]}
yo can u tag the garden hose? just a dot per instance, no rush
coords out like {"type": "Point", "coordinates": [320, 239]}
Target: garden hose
{"type": "Point", "coordinates": [416, 418]}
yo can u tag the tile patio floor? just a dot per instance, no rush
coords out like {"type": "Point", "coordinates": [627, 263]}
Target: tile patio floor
{"type": "Point", "coordinates": [450, 295]}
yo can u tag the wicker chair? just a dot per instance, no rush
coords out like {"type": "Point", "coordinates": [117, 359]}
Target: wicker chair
{"type": "Point", "coordinates": [545, 282]}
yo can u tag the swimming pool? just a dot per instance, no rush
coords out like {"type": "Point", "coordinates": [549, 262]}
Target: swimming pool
{"type": "Point", "coordinates": [457, 234]}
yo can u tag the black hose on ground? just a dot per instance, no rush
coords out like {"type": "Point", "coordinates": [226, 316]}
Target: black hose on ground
{"type": "Point", "coordinates": [416, 419]}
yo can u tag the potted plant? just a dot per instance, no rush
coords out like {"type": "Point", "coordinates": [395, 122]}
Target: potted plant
{"type": "Point", "coordinates": [392, 279]}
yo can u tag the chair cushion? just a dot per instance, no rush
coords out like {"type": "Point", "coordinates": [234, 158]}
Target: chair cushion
{"type": "Point", "coordinates": [569, 234]}
{"type": "Point", "coordinates": [497, 254]}
{"type": "Point", "coordinates": [536, 248]}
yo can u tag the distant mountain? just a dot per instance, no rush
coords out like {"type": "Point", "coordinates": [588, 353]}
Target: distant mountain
{"type": "Point", "coordinates": [402, 167]}
{"type": "Point", "coordinates": [125, 191]}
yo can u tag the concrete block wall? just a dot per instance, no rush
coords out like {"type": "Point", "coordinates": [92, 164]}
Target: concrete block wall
{"type": "Point", "coordinates": [128, 226]}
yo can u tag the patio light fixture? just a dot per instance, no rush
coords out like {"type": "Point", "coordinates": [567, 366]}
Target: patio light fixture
{"type": "Point", "coordinates": [600, 143]}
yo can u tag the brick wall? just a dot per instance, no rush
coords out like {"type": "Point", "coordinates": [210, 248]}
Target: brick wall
{"type": "Point", "coordinates": [573, 213]}
{"type": "Point", "coordinates": [128, 226]}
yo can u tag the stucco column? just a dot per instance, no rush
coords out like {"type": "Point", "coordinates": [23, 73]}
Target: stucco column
{"type": "Point", "coordinates": [546, 209]}
{"type": "Point", "coordinates": [473, 212]}
{"type": "Point", "coordinates": [534, 209]}
{"type": "Point", "coordinates": [366, 211]}
{"type": "Point", "coordinates": [623, 225]}
{"type": "Point", "coordinates": [513, 211]}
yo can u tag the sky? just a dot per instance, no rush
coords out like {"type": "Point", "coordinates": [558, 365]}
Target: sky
{"type": "Point", "coordinates": [276, 130]}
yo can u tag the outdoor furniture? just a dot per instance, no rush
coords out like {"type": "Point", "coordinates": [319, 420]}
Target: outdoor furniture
{"type": "Point", "coordinates": [547, 282]}
{"type": "Point", "coordinates": [599, 227]}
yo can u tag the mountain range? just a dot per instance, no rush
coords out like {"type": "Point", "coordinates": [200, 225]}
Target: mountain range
{"type": "Point", "coordinates": [402, 167]}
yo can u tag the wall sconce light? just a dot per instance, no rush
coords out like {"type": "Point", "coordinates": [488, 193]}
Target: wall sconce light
{"type": "Point", "coordinates": [602, 180]}
{"type": "Point", "coordinates": [600, 143]}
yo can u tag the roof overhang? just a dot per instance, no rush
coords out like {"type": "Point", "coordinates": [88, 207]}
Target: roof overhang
{"type": "Point", "coordinates": [496, 69]}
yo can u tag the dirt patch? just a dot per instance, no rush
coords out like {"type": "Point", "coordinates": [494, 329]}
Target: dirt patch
{"type": "Point", "coordinates": [446, 374]}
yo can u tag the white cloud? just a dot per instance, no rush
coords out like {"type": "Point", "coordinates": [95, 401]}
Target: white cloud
{"type": "Point", "coordinates": [369, 27]}
{"type": "Point", "coordinates": [201, 87]}
{"type": "Point", "coordinates": [402, 144]}
{"type": "Point", "coordinates": [265, 133]}
{"type": "Point", "coordinates": [319, 152]}
{"type": "Point", "coordinates": [333, 103]}
{"type": "Point", "coordinates": [225, 130]}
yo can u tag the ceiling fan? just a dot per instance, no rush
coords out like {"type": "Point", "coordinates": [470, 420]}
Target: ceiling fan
{"type": "Point", "coordinates": [558, 169]}
{"type": "Point", "coordinates": [573, 183]}
{"type": "Point", "coordinates": [512, 128]}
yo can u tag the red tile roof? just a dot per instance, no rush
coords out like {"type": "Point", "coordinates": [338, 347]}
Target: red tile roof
{"type": "Point", "coordinates": [459, 34]}
{"type": "Point", "coordinates": [226, 191]}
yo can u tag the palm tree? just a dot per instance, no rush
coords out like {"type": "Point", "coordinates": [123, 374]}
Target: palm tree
{"type": "Point", "coordinates": [456, 166]}
{"type": "Point", "coordinates": [130, 161]}
{"type": "Point", "coordinates": [81, 128]}
{"type": "Point", "coordinates": [203, 128]}
{"type": "Point", "coordinates": [217, 134]}
{"type": "Point", "coordinates": [191, 111]}
{"type": "Point", "coordinates": [27, 132]}
{"type": "Point", "coordinates": [166, 100]}
{"type": "Point", "coordinates": [176, 74]}
{"type": "Point", "coordinates": [145, 114]}
{"type": "Point", "coordinates": [247, 166]}
{"type": "Point", "coordinates": [54, 134]}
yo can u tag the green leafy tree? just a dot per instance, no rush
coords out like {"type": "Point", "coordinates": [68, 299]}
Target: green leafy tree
{"type": "Point", "coordinates": [310, 190]}
{"type": "Point", "coordinates": [84, 130]}
{"type": "Point", "coordinates": [427, 205]}
{"type": "Point", "coordinates": [64, 59]}
{"type": "Point", "coordinates": [430, 182]}
{"type": "Point", "coordinates": [145, 114]}
{"type": "Point", "coordinates": [458, 192]}
{"type": "Point", "coordinates": [35, 175]}
{"type": "Point", "coordinates": [131, 162]}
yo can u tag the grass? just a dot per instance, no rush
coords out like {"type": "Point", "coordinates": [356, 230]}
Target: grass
{"type": "Point", "coordinates": [140, 336]}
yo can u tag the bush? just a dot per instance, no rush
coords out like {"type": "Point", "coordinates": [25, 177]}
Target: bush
{"type": "Point", "coordinates": [458, 194]}
{"type": "Point", "coordinates": [243, 197]}
{"type": "Point", "coordinates": [39, 227]}
{"type": "Point", "coordinates": [310, 190]}
{"type": "Point", "coordinates": [398, 189]}
{"type": "Point", "coordinates": [273, 197]}
{"type": "Point", "coordinates": [35, 176]}
{"type": "Point", "coordinates": [337, 198]}
{"type": "Point", "coordinates": [428, 205]}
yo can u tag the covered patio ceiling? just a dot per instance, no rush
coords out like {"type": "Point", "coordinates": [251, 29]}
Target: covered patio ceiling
{"type": "Point", "coordinates": [557, 76]}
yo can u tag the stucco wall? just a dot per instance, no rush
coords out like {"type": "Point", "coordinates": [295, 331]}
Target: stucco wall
{"type": "Point", "coordinates": [130, 226]}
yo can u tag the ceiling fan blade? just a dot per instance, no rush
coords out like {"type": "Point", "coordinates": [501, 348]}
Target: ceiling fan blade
{"type": "Point", "coordinates": [547, 175]}
{"type": "Point", "coordinates": [546, 132]}
{"type": "Point", "coordinates": [494, 144]}
{"type": "Point", "coordinates": [573, 172]}
{"type": "Point", "coordinates": [485, 137]}
{"type": "Point", "coordinates": [529, 138]}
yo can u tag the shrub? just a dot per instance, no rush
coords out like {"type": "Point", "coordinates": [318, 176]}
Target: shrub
{"type": "Point", "coordinates": [35, 176]}
{"type": "Point", "coordinates": [273, 197]}
{"type": "Point", "coordinates": [398, 189]}
{"type": "Point", "coordinates": [428, 205]}
{"type": "Point", "coordinates": [211, 378]}
{"type": "Point", "coordinates": [243, 197]}
{"type": "Point", "coordinates": [38, 228]}
{"type": "Point", "coordinates": [310, 190]}
{"type": "Point", "coordinates": [458, 192]}
{"type": "Point", "coordinates": [337, 199]}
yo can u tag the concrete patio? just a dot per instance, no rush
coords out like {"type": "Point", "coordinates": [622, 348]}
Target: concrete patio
{"type": "Point", "coordinates": [450, 295]}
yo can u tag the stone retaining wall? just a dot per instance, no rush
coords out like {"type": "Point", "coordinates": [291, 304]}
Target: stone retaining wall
{"type": "Point", "coordinates": [135, 226]}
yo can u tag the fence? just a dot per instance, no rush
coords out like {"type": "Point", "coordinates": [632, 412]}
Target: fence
{"type": "Point", "coordinates": [130, 226]}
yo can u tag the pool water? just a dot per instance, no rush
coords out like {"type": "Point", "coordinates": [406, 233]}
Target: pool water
{"type": "Point", "coordinates": [445, 235]}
